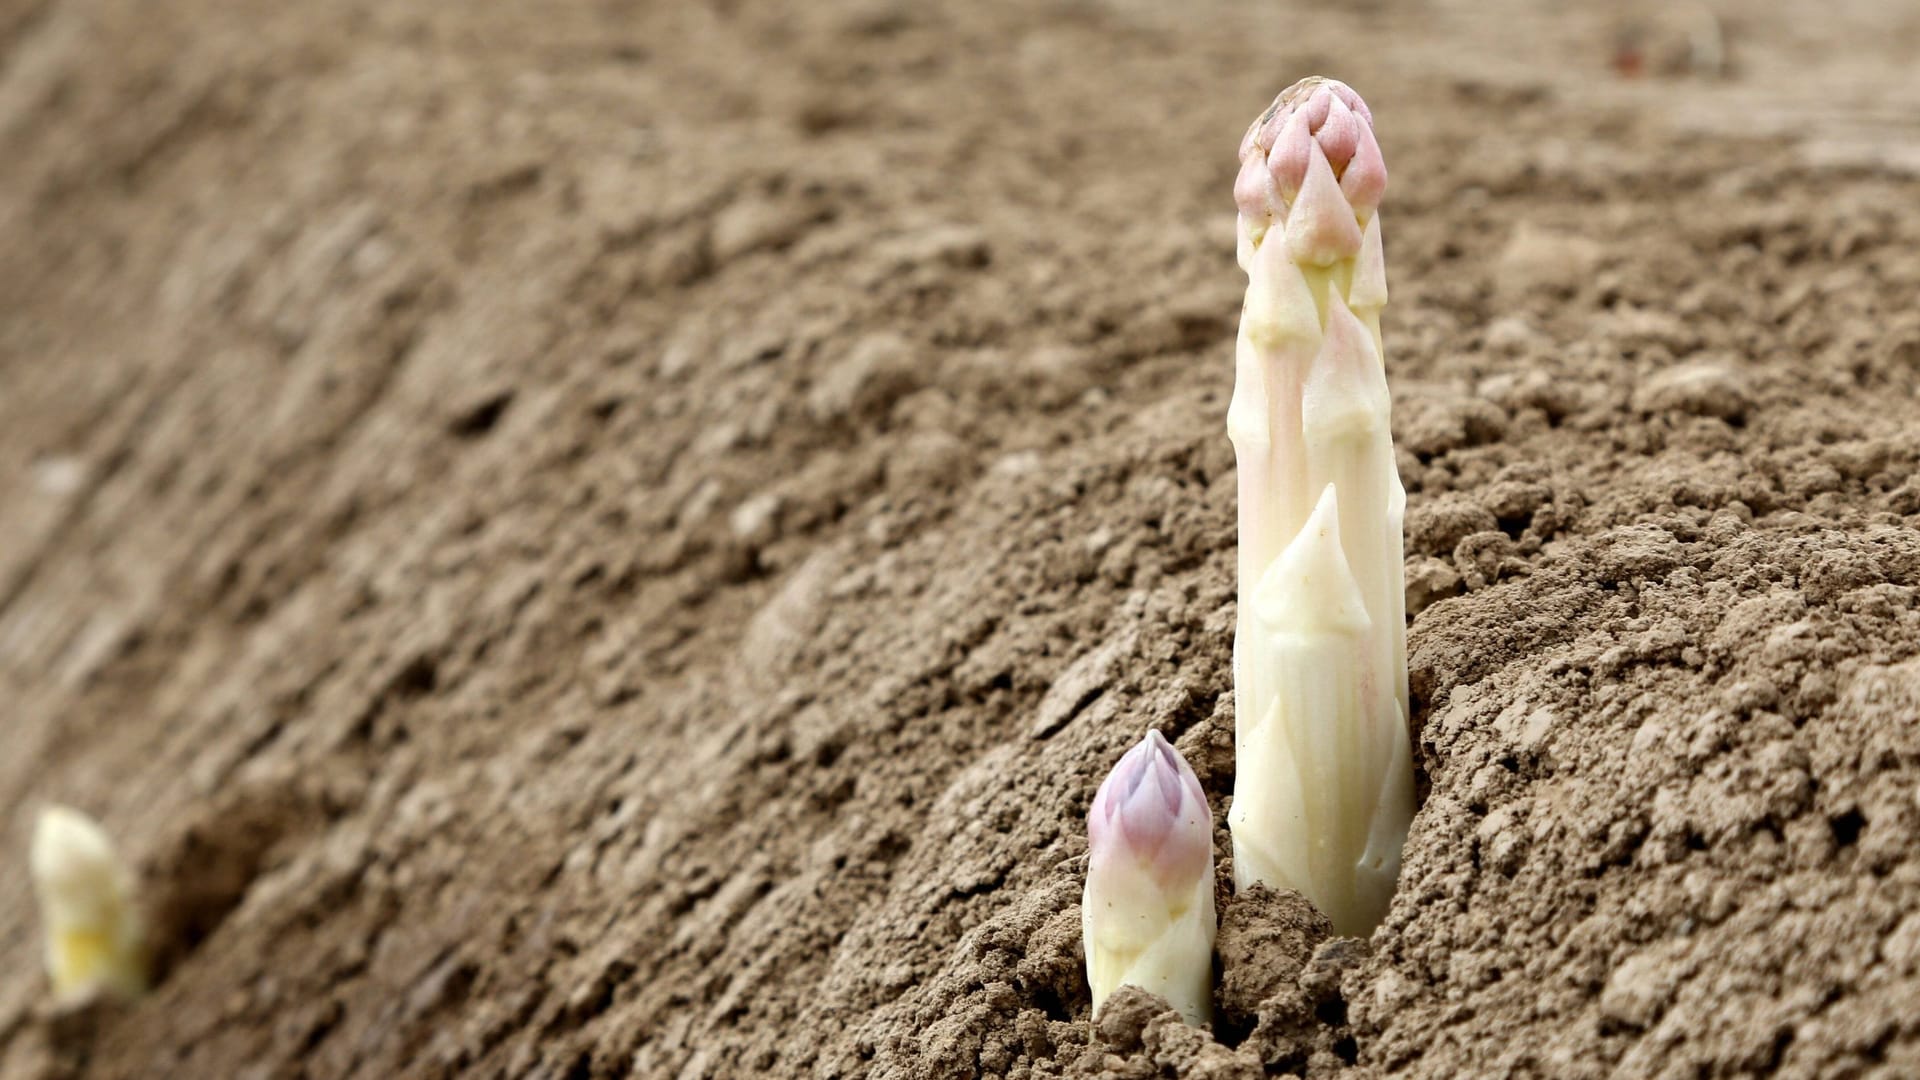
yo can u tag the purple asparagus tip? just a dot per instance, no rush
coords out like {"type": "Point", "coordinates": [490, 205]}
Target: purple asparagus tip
{"type": "Point", "coordinates": [1152, 807]}
{"type": "Point", "coordinates": [1315, 117]}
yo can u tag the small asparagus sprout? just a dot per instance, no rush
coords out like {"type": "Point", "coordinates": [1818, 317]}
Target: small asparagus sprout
{"type": "Point", "coordinates": [95, 942]}
{"type": "Point", "coordinates": [1324, 779]}
{"type": "Point", "coordinates": [1147, 914]}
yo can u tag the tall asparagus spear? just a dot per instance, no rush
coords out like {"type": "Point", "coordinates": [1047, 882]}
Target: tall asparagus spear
{"type": "Point", "coordinates": [1324, 782]}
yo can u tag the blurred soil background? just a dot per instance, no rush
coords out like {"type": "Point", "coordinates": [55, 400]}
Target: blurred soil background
{"type": "Point", "coordinates": [595, 539]}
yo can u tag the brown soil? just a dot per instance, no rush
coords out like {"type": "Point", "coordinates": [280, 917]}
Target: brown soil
{"type": "Point", "coordinates": [577, 539]}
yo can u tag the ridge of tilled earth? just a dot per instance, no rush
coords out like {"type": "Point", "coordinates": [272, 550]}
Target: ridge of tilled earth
{"type": "Point", "coordinates": [628, 647]}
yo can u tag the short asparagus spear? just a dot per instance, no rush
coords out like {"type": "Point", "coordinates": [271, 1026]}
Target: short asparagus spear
{"type": "Point", "coordinates": [1147, 913]}
{"type": "Point", "coordinates": [1323, 791]}
{"type": "Point", "coordinates": [95, 939]}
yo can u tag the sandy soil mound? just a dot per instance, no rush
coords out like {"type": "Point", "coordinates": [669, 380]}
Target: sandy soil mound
{"type": "Point", "coordinates": [583, 540]}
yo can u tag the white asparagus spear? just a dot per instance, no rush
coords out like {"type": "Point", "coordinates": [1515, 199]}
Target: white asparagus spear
{"type": "Point", "coordinates": [1147, 912]}
{"type": "Point", "coordinates": [95, 938]}
{"type": "Point", "coordinates": [1323, 790]}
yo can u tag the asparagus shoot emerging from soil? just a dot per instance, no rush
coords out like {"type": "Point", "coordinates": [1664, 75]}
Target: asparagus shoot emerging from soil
{"type": "Point", "coordinates": [1324, 782]}
{"type": "Point", "coordinates": [1147, 914]}
{"type": "Point", "coordinates": [95, 942]}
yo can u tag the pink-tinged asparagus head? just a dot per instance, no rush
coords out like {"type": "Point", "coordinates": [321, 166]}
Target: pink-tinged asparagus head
{"type": "Point", "coordinates": [1152, 812]}
{"type": "Point", "coordinates": [1314, 125]}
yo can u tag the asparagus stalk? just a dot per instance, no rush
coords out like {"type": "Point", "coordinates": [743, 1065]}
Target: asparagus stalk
{"type": "Point", "coordinates": [1147, 913]}
{"type": "Point", "coordinates": [95, 939]}
{"type": "Point", "coordinates": [1324, 789]}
